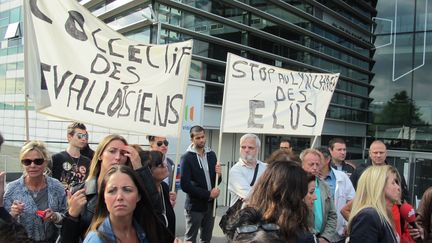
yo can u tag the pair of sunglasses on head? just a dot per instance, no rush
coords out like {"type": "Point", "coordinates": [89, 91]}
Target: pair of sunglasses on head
{"type": "Point", "coordinates": [248, 229]}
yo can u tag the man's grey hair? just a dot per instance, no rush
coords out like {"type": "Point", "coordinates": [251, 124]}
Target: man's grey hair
{"type": "Point", "coordinates": [310, 151]}
{"type": "Point", "coordinates": [249, 136]}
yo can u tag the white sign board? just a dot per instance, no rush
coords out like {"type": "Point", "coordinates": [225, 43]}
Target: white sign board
{"type": "Point", "coordinates": [192, 115]}
{"type": "Point", "coordinates": [259, 98]}
{"type": "Point", "coordinates": [95, 75]}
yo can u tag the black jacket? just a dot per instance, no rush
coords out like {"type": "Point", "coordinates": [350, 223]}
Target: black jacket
{"type": "Point", "coordinates": [367, 227]}
{"type": "Point", "coordinates": [4, 215]}
{"type": "Point", "coordinates": [193, 181]}
{"type": "Point", "coordinates": [74, 230]}
{"type": "Point", "coordinates": [355, 176]}
{"type": "Point", "coordinates": [170, 215]}
{"type": "Point", "coordinates": [347, 168]}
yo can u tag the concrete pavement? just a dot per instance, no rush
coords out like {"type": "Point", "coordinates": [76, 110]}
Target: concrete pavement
{"type": "Point", "coordinates": [218, 236]}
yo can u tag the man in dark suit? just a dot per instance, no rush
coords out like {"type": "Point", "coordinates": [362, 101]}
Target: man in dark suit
{"type": "Point", "coordinates": [198, 174]}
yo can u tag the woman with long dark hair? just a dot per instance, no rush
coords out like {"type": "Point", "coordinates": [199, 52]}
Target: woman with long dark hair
{"type": "Point", "coordinates": [112, 150]}
{"type": "Point", "coordinates": [279, 196]}
{"type": "Point", "coordinates": [159, 170]}
{"type": "Point", "coordinates": [123, 210]}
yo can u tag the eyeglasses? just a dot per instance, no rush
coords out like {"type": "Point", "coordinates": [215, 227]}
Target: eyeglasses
{"type": "Point", "coordinates": [164, 142]}
{"type": "Point", "coordinates": [28, 162]}
{"type": "Point", "coordinates": [82, 135]}
{"type": "Point", "coordinates": [255, 227]}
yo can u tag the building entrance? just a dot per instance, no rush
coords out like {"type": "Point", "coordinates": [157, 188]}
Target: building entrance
{"type": "Point", "coordinates": [416, 168]}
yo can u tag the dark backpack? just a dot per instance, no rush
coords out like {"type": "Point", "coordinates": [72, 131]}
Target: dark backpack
{"type": "Point", "coordinates": [231, 211]}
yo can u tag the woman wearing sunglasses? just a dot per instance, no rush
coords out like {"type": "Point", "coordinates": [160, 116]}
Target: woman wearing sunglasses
{"type": "Point", "coordinates": [36, 200]}
{"type": "Point", "coordinates": [160, 144]}
{"type": "Point", "coordinates": [159, 170]}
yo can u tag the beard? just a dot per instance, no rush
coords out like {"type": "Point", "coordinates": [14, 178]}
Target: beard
{"type": "Point", "coordinates": [248, 157]}
{"type": "Point", "coordinates": [199, 146]}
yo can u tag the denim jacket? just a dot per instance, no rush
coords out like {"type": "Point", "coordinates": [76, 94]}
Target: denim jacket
{"type": "Point", "coordinates": [106, 228]}
{"type": "Point", "coordinates": [37, 229]}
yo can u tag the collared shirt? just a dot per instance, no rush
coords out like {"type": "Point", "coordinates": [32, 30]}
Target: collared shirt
{"type": "Point", "coordinates": [347, 168]}
{"type": "Point", "coordinates": [170, 165]}
{"type": "Point", "coordinates": [330, 179]}
{"type": "Point", "coordinates": [240, 178]}
{"type": "Point", "coordinates": [318, 208]}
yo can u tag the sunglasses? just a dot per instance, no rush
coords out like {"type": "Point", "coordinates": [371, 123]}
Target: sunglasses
{"type": "Point", "coordinates": [164, 142]}
{"type": "Point", "coordinates": [28, 162]}
{"type": "Point", "coordinates": [254, 228]}
{"type": "Point", "coordinates": [82, 135]}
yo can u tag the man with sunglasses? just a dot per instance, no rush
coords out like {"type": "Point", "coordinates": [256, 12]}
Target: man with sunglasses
{"type": "Point", "coordinates": [71, 167]}
{"type": "Point", "coordinates": [161, 144]}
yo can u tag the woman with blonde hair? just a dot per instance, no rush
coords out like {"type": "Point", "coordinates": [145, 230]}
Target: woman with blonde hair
{"type": "Point", "coordinates": [371, 216]}
{"type": "Point", "coordinates": [36, 200]}
{"type": "Point", "coordinates": [112, 150]}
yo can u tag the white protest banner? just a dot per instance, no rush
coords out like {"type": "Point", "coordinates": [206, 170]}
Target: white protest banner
{"type": "Point", "coordinates": [95, 75]}
{"type": "Point", "coordinates": [259, 98]}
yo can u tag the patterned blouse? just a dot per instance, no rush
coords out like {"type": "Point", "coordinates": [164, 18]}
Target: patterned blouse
{"type": "Point", "coordinates": [37, 229]}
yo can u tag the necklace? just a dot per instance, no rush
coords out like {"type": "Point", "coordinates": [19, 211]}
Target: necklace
{"type": "Point", "coordinates": [74, 159]}
{"type": "Point", "coordinates": [34, 193]}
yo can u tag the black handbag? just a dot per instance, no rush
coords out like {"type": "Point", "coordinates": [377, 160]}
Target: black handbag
{"type": "Point", "coordinates": [231, 211]}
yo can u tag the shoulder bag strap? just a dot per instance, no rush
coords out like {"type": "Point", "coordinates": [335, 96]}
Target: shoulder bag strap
{"type": "Point", "coordinates": [255, 175]}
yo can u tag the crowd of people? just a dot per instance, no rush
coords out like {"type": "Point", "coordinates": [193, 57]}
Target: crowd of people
{"type": "Point", "coordinates": [121, 193]}
{"type": "Point", "coordinates": [318, 196]}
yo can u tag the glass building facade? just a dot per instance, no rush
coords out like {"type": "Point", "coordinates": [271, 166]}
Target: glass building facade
{"type": "Point", "coordinates": [316, 36]}
{"type": "Point", "coordinates": [378, 47]}
{"type": "Point", "coordinates": [401, 106]}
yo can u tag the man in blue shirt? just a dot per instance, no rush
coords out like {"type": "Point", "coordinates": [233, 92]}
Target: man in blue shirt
{"type": "Point", "coordinates": [324, 214]}
{"type": "Point", "coordinates": [341, 191]}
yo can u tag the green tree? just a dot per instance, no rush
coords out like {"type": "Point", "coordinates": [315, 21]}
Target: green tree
{"type": "Point", "coordinates": [400, 110]}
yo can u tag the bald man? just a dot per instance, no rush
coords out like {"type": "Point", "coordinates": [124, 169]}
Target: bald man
{"type": "Point", "coordinates": [377, 155]}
